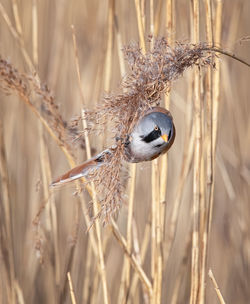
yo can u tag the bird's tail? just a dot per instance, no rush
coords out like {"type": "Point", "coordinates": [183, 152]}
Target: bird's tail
{"type": "Point", "coordinates": [84, 169]}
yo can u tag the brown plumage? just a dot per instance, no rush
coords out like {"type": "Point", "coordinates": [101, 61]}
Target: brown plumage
{"type": "Point", "coordinates": [84, 169]}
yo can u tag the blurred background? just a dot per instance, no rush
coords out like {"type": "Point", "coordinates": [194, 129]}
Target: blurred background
{"type": "Point", "coordinates": [37, 252]}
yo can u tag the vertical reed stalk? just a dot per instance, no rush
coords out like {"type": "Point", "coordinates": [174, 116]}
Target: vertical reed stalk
{"type": "Point", "coordinates": [92, 235]}
{"type": "Point", "coordinates": [95, 203]}
{"type": "Point", "coordinates": [130, 217]}
{"type": "Point", "coordinates": [169, 21]}
{"type": "Point", "coordinates": [155, 189]}
{"type": "Point", "coordinates": [154, 225]}
{"type": "Point", "coordinates": [134, 262]}
{"type": "Point", "coordinates": [197, 166]}
{"type": "Point", "coordinates": [95, 289]}
{"type": "Point", "coordinates": [140, 25]}
{"type": "Point", "coordinates": [156, 228]}
{"type": "Point", "coordinates": [140, 258]}
{"type": "Point", "coordinates": [17, 18]}
{"type": "Point", "coordinates": [50, 209]}
{"type": "Point", "coordinates": [209, 157]}
{"type": "Point", "coordinates": [164, 158]}
{"type": "Point", "coordinates": [186, 166]}
{"type": "Point", "coordinates": [181, 272]}
{"type": "Point", "coordinates": [108, 59]}
{"type": "Point", "coordinates": [34, 32]}
{"type": "Point", "coordinates": [215, 98]}
{"type": "Point", "coordinates": [6, 239]}
{"type": "Point", "coordinates": [185, 169]}
{"type": "Point", "coordinates": [159, 268]}
{"type": "Point", "coordinates": [97, 224]}
{"type": "Point", "coordinates": [125, 280]}
{"type": "Point", "coordinates": [157, 19]}
{"type": "Point", "coordinates": [16, 33]}
{"type": "Point", "coordinates": [87, 276]}
{"type": "Point", "coordinates": [119, 47]}
{"type": "Point", "coordinates": [57, 44]}
{"type": "Point", "coordinates": [51, 215]}
{"type": "Point", "coordinates": [151, 17]}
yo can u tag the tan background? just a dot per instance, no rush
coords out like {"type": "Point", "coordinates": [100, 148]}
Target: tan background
{"type": "Point", "coordinates": [229, 247]}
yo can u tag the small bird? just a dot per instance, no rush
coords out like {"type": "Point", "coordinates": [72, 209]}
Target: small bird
{"type": "Point", "coordinates": [152, 136]}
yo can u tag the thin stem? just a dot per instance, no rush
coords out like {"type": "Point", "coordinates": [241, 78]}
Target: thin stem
{"type": "Point", "coordinates": [94, 196]}
{"type": "Point", "coordinates": [169, 20]}
{"type": "Point", "coordinates": [97, 222]}
{"type": "Point", "coordinates": [155, 234]}
{"type": "Point", "coordinates": [125, 281]}
{"type": "Point", "coordinates": [34, 32]}
{"type": "Point", "coordinates": [227, 53]}
{"type": "Point", "coordinates": [216, 96]}
{"type": "Point", "coordinates": [216, 287]}
{"type": "Point", "coordinates": [16, 35]}
{"type": "Point", "coordinates": [108, 59]}
{"type": "Point", "coordinates": [50, 208]}
{"type": "Point", "coordinates": [130, 215]}
{"type": "Point", "coordinates": [143, 277]}
{"type": "Point", "coordinates": [119, 47]}
{"type": "Point", "coordinates": [72, 293]}
{"type": "Point", "coordinates": [6, 219]}
{"type": "Point", "coordinates": [143, 252]}
{"type": "Point", "coordinates": [164, 158]}
{"type": "Point", "coordinates": [197, 166]}
{"type": "Point", "coordinates": [140, 25]}
{"type": "Point", "coordinates": [209, 158]}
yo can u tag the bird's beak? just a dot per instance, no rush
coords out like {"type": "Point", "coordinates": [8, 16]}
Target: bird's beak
{"type": "Point", "coordinates": [165, 137]}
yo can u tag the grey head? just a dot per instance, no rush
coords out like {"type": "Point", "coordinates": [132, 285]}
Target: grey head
{"type": "Point", "coordinates": [152, 136]}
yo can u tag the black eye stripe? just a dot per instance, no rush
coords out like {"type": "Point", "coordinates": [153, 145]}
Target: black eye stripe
{"type": "Point", "coordinates": [152, 136]}
{"type": "Point", "coordinates": [158, 146]}
{"type": "Point", "coordinates": [169, 134]}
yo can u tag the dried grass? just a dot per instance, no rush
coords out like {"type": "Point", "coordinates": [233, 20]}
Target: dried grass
{"type": "Point", "coordinates": [157, 224]}
{"type": "Point", "coordinates": [151, 75]}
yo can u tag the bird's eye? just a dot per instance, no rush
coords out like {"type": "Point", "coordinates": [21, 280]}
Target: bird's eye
{"type": "Point", "coordinates": [156, 128]}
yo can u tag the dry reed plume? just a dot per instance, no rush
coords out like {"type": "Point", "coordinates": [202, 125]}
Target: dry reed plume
{"type": "Point", "coordinates": [151, 75]}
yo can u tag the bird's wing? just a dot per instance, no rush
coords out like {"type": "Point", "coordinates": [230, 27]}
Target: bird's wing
{"type": "Point", "coordinates": [83, 169]}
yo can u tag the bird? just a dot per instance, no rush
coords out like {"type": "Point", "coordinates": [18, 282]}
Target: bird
{"type": "Point", "coordinates": [152, 135]}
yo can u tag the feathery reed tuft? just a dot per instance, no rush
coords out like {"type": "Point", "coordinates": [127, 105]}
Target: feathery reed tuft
{"type": "Point", "coordinates": [29, 88]}
{"type": "Point", "coordinates": [151, 75]}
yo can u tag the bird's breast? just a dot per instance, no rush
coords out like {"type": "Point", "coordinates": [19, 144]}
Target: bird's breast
{"type": "Point", "coordinates": [138, 151]}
